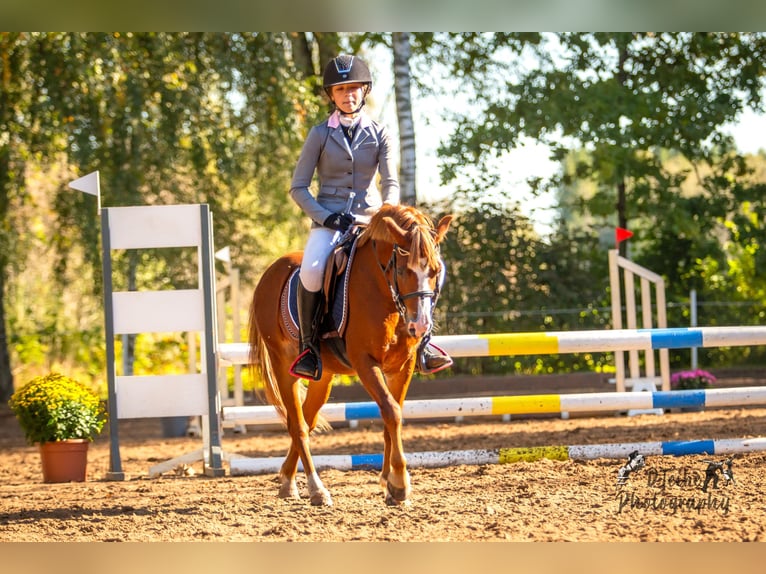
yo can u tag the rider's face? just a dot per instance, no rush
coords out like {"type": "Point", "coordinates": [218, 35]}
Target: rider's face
{"type": "Point", "coordinates": [347, 97]}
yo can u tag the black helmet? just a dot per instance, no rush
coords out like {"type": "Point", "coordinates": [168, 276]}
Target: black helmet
{"type": "Point", "coordinates": [345, 69]}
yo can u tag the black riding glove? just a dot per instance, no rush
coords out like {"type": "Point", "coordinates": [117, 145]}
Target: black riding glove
{"type": "Point", "coordinates": [339, 221]}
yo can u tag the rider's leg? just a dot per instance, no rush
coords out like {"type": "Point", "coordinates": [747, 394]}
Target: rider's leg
{"type": "Point", "coordinates": [318, 247]}
{"type": "Point", "coordinates": [308, 364]}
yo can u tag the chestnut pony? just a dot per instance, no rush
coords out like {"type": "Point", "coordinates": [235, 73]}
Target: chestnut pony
{"type": "Point", "coordinates": [391, 289]}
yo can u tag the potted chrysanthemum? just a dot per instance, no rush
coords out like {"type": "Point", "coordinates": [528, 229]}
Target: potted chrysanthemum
{"type": "Point", "coordinates": [696, 379]}
{"type": "Point", "coordinates": [62, 416]}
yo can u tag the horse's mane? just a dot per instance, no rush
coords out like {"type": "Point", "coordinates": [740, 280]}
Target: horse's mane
{"type": "Point", "coordinates": [410, 219]}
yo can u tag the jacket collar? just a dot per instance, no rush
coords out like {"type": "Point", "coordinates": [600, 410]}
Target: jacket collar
{"type": "Point", "coordinates": [334, 120]}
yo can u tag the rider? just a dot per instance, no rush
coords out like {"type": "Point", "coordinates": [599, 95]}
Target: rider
{"type": "Point", "coordinates": [346, 151]}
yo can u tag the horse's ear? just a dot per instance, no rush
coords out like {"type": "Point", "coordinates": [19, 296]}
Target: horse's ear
{"type": "Point", "coordinates": [442, 227]}
{"type": "Point", "coordinates": [398, 234]}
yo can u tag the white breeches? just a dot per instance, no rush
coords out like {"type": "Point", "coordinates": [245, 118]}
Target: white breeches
{"type": "Point", "coordinates": [318, 248]}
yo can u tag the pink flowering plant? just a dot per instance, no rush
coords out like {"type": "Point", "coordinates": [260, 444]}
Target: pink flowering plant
{"type": "Point", "coordinates": [684, 380]}
{"type": "Point", "coordinates": [54, 407]}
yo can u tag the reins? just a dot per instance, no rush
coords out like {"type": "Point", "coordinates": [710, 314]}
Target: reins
{"type": "Point", "coordinates": [393, 286]}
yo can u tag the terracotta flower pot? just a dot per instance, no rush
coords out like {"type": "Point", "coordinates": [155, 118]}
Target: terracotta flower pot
{"type": "Point", "coordinates": [65, 460]}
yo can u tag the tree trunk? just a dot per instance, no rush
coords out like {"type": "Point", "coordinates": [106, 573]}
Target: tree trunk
{"type": "Point", "coordinates": [302, 55]}
{"type": "Point", "coordinates": [407, 169]}
{"type": "Point", "coordinates": [328, 44]}
{"type": "Point", "coordinates": [622, 218]}
{"type": "Point", "coordinates": [328, 47]}
{"type": "Point", "coordinates": [6, 376]}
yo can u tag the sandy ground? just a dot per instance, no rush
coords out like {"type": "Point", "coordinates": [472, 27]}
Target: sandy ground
{"type": "Point", "coordinates": [544, 500]}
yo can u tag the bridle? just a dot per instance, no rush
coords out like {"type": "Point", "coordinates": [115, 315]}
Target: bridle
{"type": "Point", "coordinates": [396, 294]}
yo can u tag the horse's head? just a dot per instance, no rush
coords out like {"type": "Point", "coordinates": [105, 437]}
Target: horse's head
{"type": "Point", "coordinates": [415, 270]}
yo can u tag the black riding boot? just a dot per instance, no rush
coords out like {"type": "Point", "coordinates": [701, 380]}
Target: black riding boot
{"type": "Point", "coordinates": [431, 358]}
{"type": "Point", "coordinates": [308, 365]}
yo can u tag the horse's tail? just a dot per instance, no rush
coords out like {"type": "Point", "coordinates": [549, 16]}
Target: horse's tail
{"type": "Point", "coordinates": [260, 366]}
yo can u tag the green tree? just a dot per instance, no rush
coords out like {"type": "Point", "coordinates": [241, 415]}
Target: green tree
{"type": "Point", "coordinates": [165, 118]}
{"type": "Point", "coordinates": [10, 96]}
{"type": "Point", "coordinates": [623, 97]}
{"type": "Point", "coordinates": [28, 130]}
{"type": "Point", "coordinates": [491, 258]}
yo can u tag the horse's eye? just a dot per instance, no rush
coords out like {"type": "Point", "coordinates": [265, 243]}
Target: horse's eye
{"type": "Point", "coordinates": [402, 252]}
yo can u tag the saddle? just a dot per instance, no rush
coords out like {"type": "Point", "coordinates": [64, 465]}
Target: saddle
{"type": "Point", "coordinates": [332, 325]}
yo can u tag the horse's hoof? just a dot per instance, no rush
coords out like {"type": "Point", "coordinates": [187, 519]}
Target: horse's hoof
{"type": "Point", "coordinates": [289, 491]}
{"type": "Point", "coordinates": [396, 496]}
{"type": "Point", "coordinates": [391, 501]}
{"type": "Point", "coordinates": [321, 499]}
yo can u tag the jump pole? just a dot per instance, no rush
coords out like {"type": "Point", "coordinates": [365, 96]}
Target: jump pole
{"type": "Point", "coordinates": [551, 343]}
{"type": "Point", "coordinates": [516, 405]}
{"type": "Point", "coordinates": [561, 342]}
{"type": "Point", "coordinates": [435, 459]}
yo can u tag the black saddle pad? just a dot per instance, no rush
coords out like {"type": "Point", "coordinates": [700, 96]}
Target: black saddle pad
{"type": "Point", "coordinates": [334, 323]}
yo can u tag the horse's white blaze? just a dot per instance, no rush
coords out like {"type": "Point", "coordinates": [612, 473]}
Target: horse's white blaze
{"type": "Point", "coordinates": [422, 323]}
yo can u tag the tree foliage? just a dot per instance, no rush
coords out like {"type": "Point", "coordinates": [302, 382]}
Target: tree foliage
{"type": "Point", "coordinates": [623, 97]}
{"type": "Point", "coordinates": [165, 118]}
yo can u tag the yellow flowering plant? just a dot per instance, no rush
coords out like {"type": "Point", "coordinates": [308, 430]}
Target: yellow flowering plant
{"type": "Point", "coordinates": [54, 408]}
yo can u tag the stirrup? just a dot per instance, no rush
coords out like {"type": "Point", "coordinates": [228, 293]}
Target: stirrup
{"type": "Point", "coordinates": [302, 370]}
{"type": "Point", "coordinates": [430, 362]}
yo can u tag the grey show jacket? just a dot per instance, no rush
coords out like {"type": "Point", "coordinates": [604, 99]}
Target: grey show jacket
{"type": "Point", "coordinates": [344, 168]}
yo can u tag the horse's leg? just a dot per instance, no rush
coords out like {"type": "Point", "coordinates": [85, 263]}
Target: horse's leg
{"type": "Point", "coordinates": [282, 385]}
{"type": "Point", "coordinates": [316, 396]}
{"type": "Point", "coordinates": [288, 488]}
{"type": "Point", "coordinates": [299, 433]}
{"type": "Point", "coordinates": [395, 464]}
{"type": "Point", "coordinates": [397, 385]}
{"type": "Point", "coordinates": [386, 467]}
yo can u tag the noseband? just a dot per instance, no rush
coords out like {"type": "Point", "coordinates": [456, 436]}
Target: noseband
{"type": "Point", "coordinates": [396, 294]}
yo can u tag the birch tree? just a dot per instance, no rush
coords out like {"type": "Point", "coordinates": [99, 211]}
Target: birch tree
{"type": "Point", "coordinates": [402, 52]}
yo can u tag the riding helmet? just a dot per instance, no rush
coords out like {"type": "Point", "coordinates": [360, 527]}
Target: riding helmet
{"type": "Point", "coordinates": [346, 69]}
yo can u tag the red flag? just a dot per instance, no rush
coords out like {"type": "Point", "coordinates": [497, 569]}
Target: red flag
{"type": "Point", "coordinates": [621, 234]}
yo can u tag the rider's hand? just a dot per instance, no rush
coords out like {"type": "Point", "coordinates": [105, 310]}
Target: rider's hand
{"type": "Point", "coordinates": [339, 221]}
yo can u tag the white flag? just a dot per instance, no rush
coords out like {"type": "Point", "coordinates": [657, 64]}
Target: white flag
{"type": "Point", "coordinates": [224, 254]}
{"type": "Point", "coordinates": [88, 183]}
